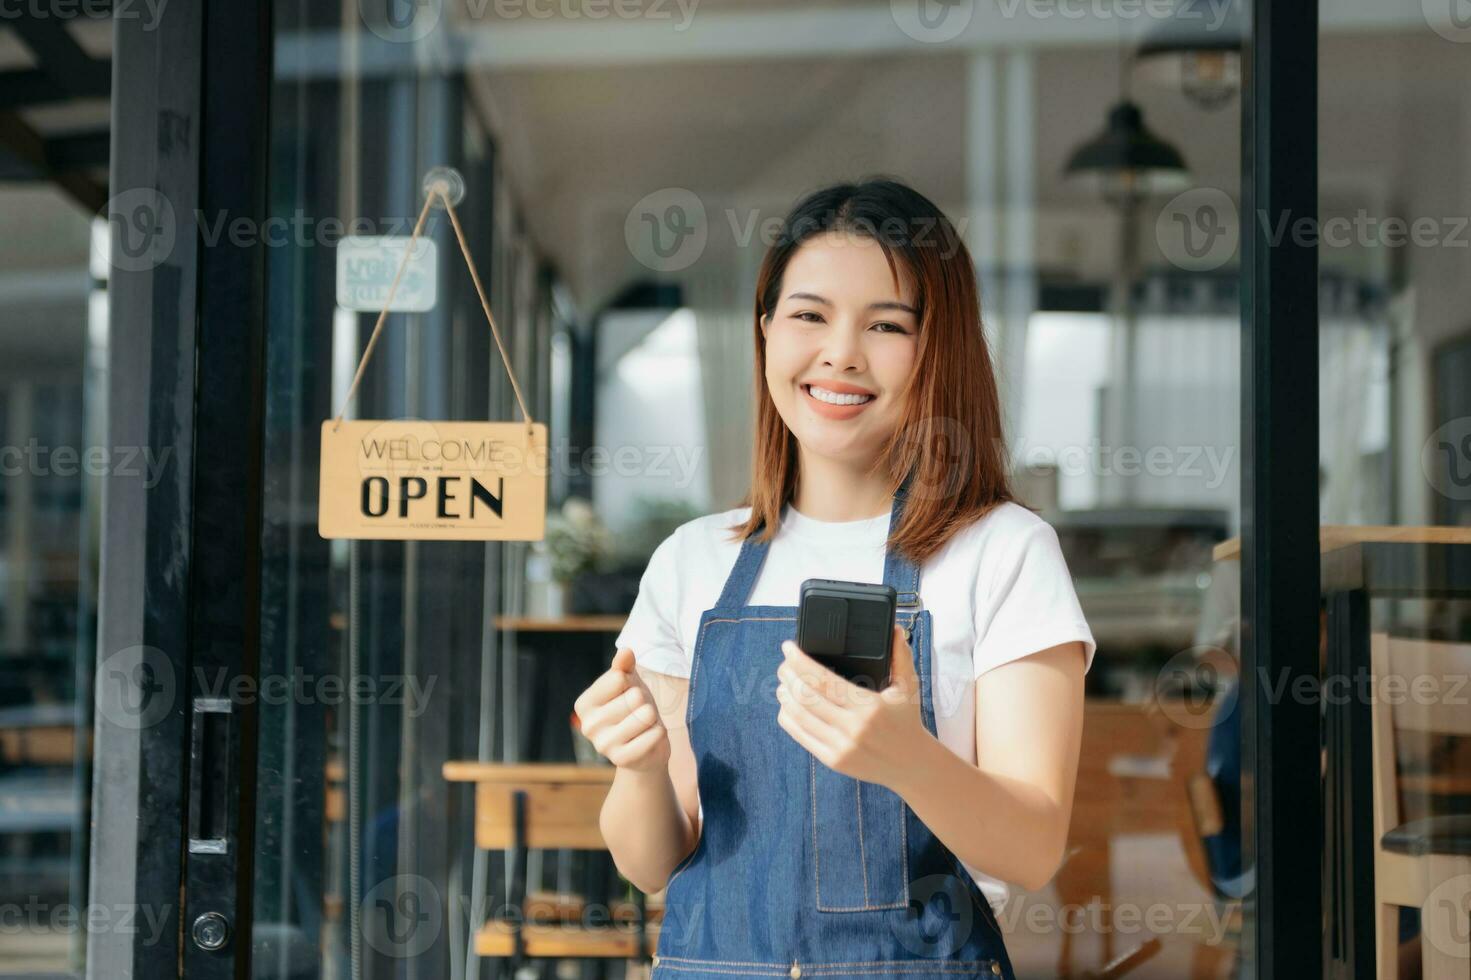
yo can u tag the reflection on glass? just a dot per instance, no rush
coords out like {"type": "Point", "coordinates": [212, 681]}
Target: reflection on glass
{"type": "Point", "coordinates": [1396, 406]}
{"type": "Point", "coordinates": [53, 462]}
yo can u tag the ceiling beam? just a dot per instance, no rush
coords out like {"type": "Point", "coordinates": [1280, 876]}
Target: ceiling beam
{"type": "Point", "coordinates": [78, 151]}
{"type": "Point", "coordinates": [59, 57]}
{"type": "Point", "coordinates": [28, 87]}
{"type": "Point", "coordinates": [26, 148]}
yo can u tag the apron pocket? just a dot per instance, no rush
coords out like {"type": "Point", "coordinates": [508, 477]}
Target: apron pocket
{"type": "Point", "coordinates": [860, 843]}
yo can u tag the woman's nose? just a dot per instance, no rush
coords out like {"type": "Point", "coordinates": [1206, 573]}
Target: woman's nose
{"type": "Point", "coordinates": [841, 349]}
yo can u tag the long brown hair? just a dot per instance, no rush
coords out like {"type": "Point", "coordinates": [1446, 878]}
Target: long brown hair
{"type": "Point", "coordinates": [949, 442]}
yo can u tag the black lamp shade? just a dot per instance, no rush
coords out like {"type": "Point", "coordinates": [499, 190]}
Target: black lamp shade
{"type": "Point", "coordinates": [1197, 50]}
{"type": "Point", "coordinates": [1127, 156]}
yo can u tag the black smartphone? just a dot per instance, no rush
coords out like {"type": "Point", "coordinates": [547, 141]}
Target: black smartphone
{"type": "Point", "coordinates": [848, 627]}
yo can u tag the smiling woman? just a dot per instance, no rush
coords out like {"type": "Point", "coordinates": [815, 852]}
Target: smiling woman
{"type": "Point", "coordinates": [900, 817]}
{"type": "Point", "coordinates": [873, 294]}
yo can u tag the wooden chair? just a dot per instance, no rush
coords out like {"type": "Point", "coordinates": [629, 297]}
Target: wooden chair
{"type": "Point", "coordinates": [1111, 801]}
{"type": "Point", "coordinates": [1423, 863]}
{"type": "Point", "coordinates": [522, 807]}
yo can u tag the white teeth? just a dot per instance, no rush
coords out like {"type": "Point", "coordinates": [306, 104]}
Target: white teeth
{"type": "Point", "coordinates": [833, 398]}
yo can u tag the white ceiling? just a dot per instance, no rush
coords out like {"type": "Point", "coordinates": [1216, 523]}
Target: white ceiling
{"type": "Point", "coordinates": [583, 145]}
{"type": "Point", "coordinates": [753, 104]}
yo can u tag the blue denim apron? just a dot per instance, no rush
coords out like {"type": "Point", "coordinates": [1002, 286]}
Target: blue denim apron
{"type": "Point", "coordinates": [799, 870]}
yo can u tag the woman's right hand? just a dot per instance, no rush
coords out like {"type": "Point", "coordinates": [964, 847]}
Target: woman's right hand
{"type": "Point", "coordinates": [619, 716]}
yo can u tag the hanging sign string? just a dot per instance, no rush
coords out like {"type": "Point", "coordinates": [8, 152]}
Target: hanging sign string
{"type": "Point", "coordinates": [441, 190]}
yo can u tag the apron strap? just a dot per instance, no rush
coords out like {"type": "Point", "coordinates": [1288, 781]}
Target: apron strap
{"type": "Point", "coordinates": [742, 577]}
{"type": "Point", "coordinates": [899, 571]}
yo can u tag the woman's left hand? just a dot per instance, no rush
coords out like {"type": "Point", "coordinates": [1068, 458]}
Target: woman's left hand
{"type": "Point", "coordinates": [866, 734]}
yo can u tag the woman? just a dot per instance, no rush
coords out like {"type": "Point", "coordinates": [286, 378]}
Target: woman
{"type": "Point", "coordinates": [802, 823]}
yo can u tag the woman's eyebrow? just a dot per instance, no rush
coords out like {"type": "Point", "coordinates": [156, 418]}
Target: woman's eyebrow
{"type": "Point", "coordinates": [882, 305]}
{"type": "Point", "coordinates": [893, 305]}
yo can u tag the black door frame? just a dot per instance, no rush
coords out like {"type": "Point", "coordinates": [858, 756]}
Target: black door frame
{"type": "Point", "coordinates": [174, 750]}
{"type": "Point", "coordinates": [1282, 790]}
{"type": "Point", "coordinates": [181, 571]}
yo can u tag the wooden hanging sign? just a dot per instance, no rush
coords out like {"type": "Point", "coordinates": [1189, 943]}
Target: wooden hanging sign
{"type": "Point", "coordinates": [440, 481]}
{"type": "Point", "coordinates": [412, 479]}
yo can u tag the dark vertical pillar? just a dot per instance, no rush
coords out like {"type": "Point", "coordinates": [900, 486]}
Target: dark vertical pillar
{"type": "Point", "coordinates": [1281, 776]}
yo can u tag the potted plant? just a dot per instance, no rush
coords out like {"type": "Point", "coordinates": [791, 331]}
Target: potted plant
{"type": "Point", "coordinates": [577, 544]}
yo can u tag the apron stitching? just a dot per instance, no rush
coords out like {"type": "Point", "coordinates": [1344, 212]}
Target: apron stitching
{"type": "Point", "coordinates": [944, 965]}
{"type": "Point", "coordinates": [719, 969]}
{"type": "Point", "coordinates": [816, 851]}
{"type": "Point", "coordinates": [897, 966]}
{"type": "Point", "coordinates": [753, 619]}
{"type": "Point", "coordinates": [927, 964]}
{"type": "Point", "coordinates": [686, 959]}
{"type": "Point", "coordinates": [868, 905]}
{"type": "Point", "coordinates": [917, 623]}
{"type": "Point", "coordinates": [817, 860]}
{"type": "Point", "coordinates": [862, 844]}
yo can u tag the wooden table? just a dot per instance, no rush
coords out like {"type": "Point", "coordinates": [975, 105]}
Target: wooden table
{"type": "Point", "coordinates": [1331, 537]}
{"type": "Point", "coordinates": [558, 806]}
{"type": "Point", "coordinates": [1360, 563]}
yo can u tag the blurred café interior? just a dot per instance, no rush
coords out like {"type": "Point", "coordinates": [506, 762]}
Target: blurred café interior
{"type": "Point", "coordinates": [621, 173]}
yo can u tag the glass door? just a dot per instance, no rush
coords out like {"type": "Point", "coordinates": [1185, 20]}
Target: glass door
{"type": "Point", "coordinates": [624, 168]}
{"type": "Point", "coordinates": [302, 805]}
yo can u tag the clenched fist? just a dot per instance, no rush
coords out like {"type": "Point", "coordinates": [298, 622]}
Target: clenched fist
{"type": "Point", "coordinates": [620, 718]}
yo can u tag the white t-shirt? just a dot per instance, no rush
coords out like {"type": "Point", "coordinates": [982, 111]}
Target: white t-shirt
{"type": "Point", "coordinates": [997, 591]}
